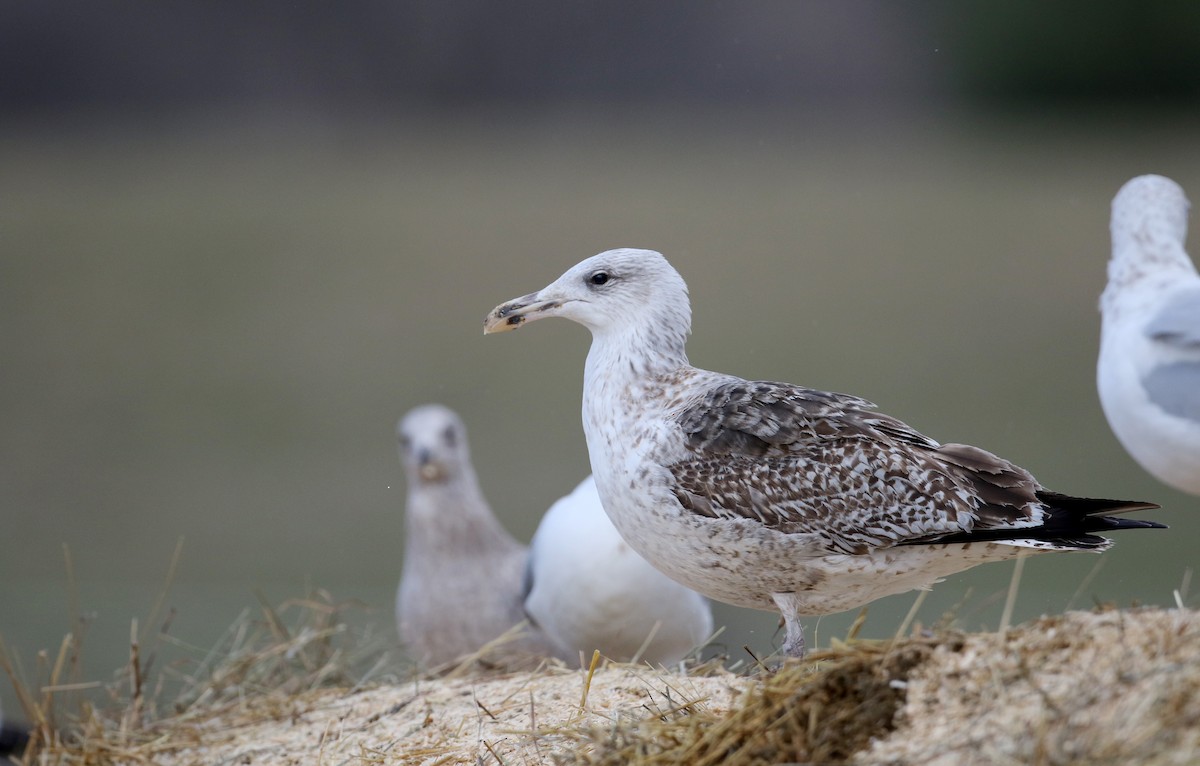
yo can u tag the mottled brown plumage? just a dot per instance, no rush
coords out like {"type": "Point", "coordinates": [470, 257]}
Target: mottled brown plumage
{"type": "Point", "coordinates": [805, 461]}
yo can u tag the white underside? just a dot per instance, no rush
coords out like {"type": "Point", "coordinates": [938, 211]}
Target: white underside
{"type": "Point", "coordinates": [1166, 446]}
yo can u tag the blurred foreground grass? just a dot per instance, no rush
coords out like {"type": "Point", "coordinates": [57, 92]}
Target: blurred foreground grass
{"type": "Point", "coordinates": [211, 330]}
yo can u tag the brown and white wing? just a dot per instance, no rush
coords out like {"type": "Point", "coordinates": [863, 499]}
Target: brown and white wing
{"type": "Point", "coordinates": [804, 461]}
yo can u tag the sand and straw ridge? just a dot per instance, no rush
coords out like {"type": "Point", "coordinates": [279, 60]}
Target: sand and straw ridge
{"type": "Point", "coordinates": [291, 686]}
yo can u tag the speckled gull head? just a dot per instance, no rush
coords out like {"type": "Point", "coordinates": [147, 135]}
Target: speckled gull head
{"type": "Point", "coordinates": [433, 445]}
{"type": "Point", "coordinates": [1149, 228]}
{"type": "Point", "coordinates": [623, 290]}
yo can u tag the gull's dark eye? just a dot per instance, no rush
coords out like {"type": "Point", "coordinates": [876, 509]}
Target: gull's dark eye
{"type": "Point", "coordinates": [449, 436]}
{"type": "Point", "coordinates": [599, 278]}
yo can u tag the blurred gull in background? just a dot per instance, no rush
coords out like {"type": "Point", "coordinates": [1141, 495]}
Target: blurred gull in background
{"type": "Point", "coordinates": [1148, 374]}
{"type": "Point", "coordinates": [589, 590]}
{"type": "Point", "coordinates": [465, 578]}
{"type": "Point", "coordinates": [463, 573]}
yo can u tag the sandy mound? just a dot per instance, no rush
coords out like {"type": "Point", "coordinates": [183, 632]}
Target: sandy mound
{"type": "Point", "coordinates": [525, 718]}
{"type": "Point", "coordinates": [1103, 687]}
{"type": "Point", "coordinates": [1114, 687]}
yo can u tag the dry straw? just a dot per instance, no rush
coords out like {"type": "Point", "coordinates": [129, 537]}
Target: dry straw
{"type": "Point", "coordinates": [296, 684]}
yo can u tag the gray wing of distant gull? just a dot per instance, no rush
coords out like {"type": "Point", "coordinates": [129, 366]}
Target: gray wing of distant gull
{"type": "Point", "coordinates": [1178, 323]}
{"type": "Point", "coordinates": [1175, 386]}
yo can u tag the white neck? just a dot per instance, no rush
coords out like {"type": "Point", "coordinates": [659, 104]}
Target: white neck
{"type": "Point", "coordinates": [622, 368]}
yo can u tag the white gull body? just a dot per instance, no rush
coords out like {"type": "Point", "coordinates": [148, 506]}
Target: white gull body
{"type": "Point", "coordinates": [463, 576]}
{"type": "Point", "coordinates": [1148, 373]}
{"type": "Point", "coordinates": [774, 496]}
{"type": "Point", "coordinates": [590, 590]}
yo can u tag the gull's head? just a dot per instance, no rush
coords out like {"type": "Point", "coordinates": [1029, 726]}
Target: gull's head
{"type": "Point", "coordinates": [1149, 227]}
{"type": "Point", "coordinates": [1147, 211]}
{"type": "Point", "coordinates": [433, 444]}
{"type": "Point", "coordinates": [617, 288]}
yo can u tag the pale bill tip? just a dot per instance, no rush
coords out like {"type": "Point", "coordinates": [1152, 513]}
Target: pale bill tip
{"type": "Point", "coordinates": [502, 320]}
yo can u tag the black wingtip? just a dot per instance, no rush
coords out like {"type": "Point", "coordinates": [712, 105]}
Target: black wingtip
{"type": "Point", "coordinates": [1090, 514]}
{"type": "Point", "coordinates": [1114, 523]}
{"type": "Point", "coordinates": [1093, 505]}
{"type": "Point", "coordinates": [1069, 522]}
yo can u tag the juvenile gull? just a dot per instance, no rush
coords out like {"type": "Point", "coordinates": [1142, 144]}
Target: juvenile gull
{"type": "Point", "coordinates": [463, 574]}
{"type": "Point", "coordinates": [589, 590]}
{"type": "Point", "coordinates": [774, 496]}
{"type": "Point", "coordinates": [1148, 374]}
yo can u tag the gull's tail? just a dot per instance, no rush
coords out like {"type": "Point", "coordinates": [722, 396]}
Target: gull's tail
{"type": "Point", "coordinates": [1069, 524]}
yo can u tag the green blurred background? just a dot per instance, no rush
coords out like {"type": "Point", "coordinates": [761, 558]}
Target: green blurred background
{"type": "Point", "coordinates": [240, 242]}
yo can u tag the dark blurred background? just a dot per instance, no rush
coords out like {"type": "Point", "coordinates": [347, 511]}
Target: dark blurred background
{"type": "Point", "coordinates": [381, 57]}
{"type": "Point", "coordinates": [241, 239]}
